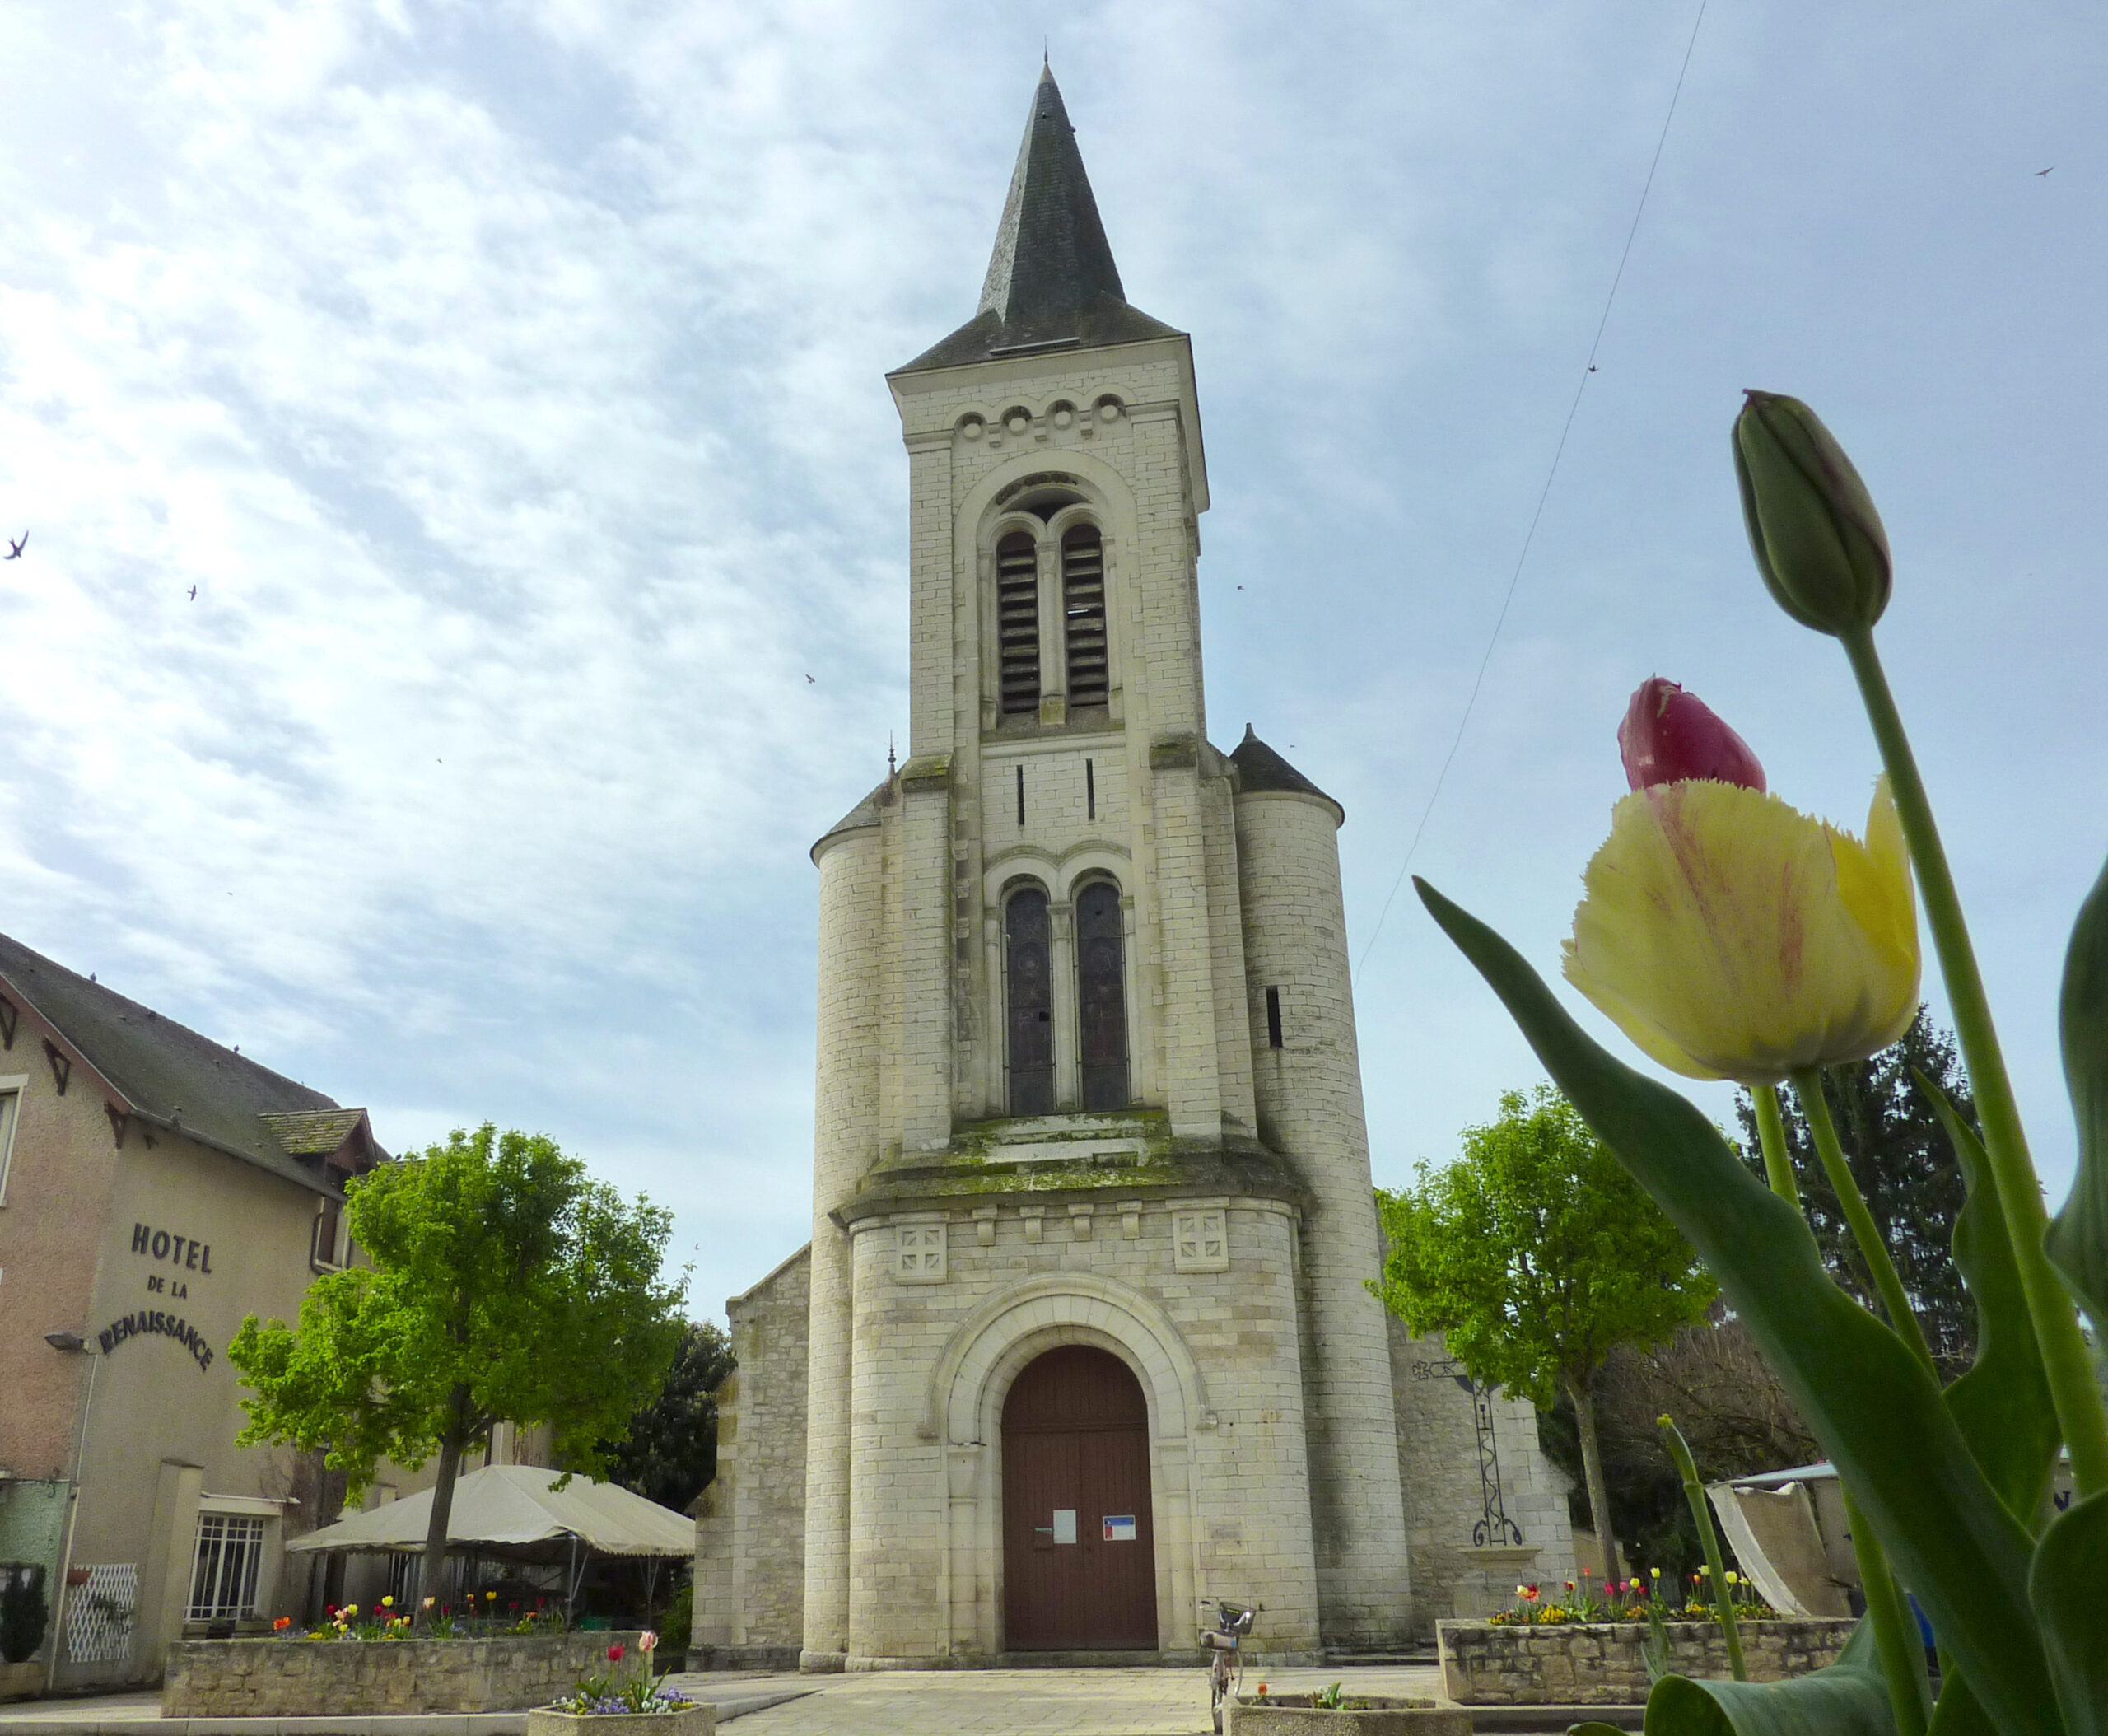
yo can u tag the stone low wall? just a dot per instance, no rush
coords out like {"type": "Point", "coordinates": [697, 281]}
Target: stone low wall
{"type": "Point", "coordinates": [308, 1678]}
{"type": "Point", "coordinates": [1598, 1664]}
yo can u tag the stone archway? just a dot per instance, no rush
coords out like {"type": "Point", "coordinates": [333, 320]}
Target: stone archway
{"type": "Point", "coordinates": [964, 1410]}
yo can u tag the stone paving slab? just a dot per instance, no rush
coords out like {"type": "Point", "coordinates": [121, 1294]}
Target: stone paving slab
{"type": "Point", "coordinates": [1036, 1702]}
{"type": "Point", "coordinates": [139, 1714]}
{"type": "Point", "coordinates": [1005, 1702]}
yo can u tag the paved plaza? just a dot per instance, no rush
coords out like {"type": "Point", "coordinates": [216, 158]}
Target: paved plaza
{"type": "Point", "coordinates": [1030, 1702]}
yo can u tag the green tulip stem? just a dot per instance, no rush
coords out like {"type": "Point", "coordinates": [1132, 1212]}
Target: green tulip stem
{"type": "Point", "coordinates": [1896, 1632]}
{"type": "Point", "coordinates": [1723, 1599]}
{"type": "Point", "coordinates": [2080, 1413]}
{"type": "Point", "coordinates": [1771, 1135]}
{"type": "Point", "coordinates": [1807, 1086]}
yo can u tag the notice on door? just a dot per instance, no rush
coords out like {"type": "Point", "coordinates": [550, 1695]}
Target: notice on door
{"type": "Point", "coordinates": [1065, 1524]}
{"type": "Point", "coordinates": [1119, 1528]}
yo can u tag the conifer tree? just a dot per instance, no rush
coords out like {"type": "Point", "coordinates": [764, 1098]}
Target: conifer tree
{"type": "Point", "coordinates": [1901, 1159]}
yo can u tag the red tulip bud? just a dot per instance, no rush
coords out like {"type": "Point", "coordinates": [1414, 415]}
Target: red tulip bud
{"type": "Point", "coordinates": [1669, 735]}
{"type": "Point", "coordinates": [614, 1654]}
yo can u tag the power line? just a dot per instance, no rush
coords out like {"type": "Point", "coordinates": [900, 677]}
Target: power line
{"type": "Point", "coordinates": [1544, 494]}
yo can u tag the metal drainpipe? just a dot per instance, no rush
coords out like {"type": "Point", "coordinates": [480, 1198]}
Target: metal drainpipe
{"type": "Point", "coordinates": [73, 1516]}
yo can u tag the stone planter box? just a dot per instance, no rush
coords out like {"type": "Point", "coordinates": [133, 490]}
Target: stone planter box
{"type": "Point", "coordinates": [1599, 1664]}
{"type": "Point", "coordinates": [20, 1681]}
{"type": "Point", "coordinates": [700, 1720]}
{"type": "Point", "coordinates": [1373, 1717]}
{"type": "Point", "coordinates": [378, 1678]}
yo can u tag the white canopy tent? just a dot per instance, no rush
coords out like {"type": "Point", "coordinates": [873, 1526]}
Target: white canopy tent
{"type": "Point", "coordinates": [515, 1512]}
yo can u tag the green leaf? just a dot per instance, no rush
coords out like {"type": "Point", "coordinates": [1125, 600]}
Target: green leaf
{"type": "Point", "coordinates": [1960, 1712]}
{"type": "Point", "coordinates": [1848, 1698]}
{"type": "Point", "coordinates": [1872, 1404]}
{"type": "Point", "coordinates": [2003, 1405]}
{"type": "Point", "coordinates": [2077, 1241]}
{"type": "Point", "coordinates": [2071, 1567]}
{"type": "Point", "coordinates": [1594, 1727]}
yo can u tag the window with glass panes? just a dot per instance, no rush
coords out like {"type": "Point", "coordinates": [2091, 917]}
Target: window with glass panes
{"type": "Point", "coordinates": [223, 1577]}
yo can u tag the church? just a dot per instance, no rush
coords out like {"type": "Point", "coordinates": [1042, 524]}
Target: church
{"type": "Point", "coordinates": [1084, 1335]}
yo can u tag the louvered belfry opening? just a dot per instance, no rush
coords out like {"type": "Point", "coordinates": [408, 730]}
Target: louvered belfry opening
{"type": "Point", "coordinates": [1029, 991]}
{"type": "Point", "coordinates": [1083, 609]}
{"type": "Point", "coordinates": [1102, 996]}
{"type": "Point", "coordinates": [1017, 621]}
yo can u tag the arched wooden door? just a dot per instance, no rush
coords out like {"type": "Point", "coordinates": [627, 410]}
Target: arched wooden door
{"type": "Point", "coordinates": [1079, 1559]}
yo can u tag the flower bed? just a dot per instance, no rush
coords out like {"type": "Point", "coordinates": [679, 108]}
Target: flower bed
{"type": "Point", "coordinates": [1318, 1715]}
{"type": "Point", "coordinates": [1599, 1663]}
{"type": "Point", "coordinates": [291, 1678]}
{"type": "Point", "coordinates": [694, 1718]}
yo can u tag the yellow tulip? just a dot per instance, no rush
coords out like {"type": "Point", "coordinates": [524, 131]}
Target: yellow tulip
{"type": "Point", "coordinates": [1731, 936]}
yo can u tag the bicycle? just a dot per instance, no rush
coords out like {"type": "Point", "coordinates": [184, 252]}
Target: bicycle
{"type": "Point", "coordinates": [1222, 1642]}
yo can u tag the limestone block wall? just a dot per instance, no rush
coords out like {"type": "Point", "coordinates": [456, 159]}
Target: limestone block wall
{"type": "Point", "coordinates": [1216, 1351]}
{"type": "Point", "coordinates": [1309, 1108]}
{"type": "Point", "coordinates": [846, 1134]}
{"type": "Point", "coordinates": [303, 1678]}
{"type": "Point", "coordinates": [1599, 1664]}
{"type": "Point", "coordinates": [1445, 1497]}
{"type": "Point", "coordinates": [750, 1558]}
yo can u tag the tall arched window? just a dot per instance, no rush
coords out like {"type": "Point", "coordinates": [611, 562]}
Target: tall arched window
{"type": "Point", "coordinates": [1029, 993]}
{"type": "Point", "coordinates": [1082, 611]}
{"type": "Point", "coordinates": [1102, 996]}
{"type": "Point", "coordinates": [1017, 621]}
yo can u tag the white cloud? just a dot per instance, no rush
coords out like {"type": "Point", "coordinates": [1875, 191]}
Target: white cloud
{"type": "Point", "coordinates": [508, 382]}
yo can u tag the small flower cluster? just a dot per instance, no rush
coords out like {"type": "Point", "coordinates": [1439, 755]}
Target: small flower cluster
{"type": "Point", "coordinates": [612, 1692]}
{"type": "Point", "coordinates": [479, 1618]}
{"type": "Point", "coordinates": [1594, 1600]}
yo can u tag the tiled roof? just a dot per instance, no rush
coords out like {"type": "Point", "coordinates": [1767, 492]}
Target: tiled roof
{"type": "Point", "coordinates": [166, 1071]}
{"type": "Point", "coordinates": [313, 1133]}
{"type": "Point", "coordinates": [1052, 282]}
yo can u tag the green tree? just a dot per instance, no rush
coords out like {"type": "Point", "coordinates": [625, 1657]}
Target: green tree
{"type": "Point", "coordinates": [1534, 1255]}
{"type": "Point", "coordinates": [504, 1285]}
{"type": "Point", "coordinates": [671, 1453]}
{"type": "Point", "coordinates": [1900, 1156]}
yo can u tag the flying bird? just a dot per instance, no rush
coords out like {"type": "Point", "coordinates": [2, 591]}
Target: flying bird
{"type": "Point", "coordinates": [15, 545]}
{"type": "Point", "coordinates": [809, 682]}
{"type": "Point", "coordinates": [194, 593]}
{"type": "Point", "coordinates": [2040, 173]}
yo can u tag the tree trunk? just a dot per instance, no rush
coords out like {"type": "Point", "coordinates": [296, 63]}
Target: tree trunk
{"type": "Point", "coordinates": [1591, 1471]}
{"type": "Point", "coordinates": [432, 1566]}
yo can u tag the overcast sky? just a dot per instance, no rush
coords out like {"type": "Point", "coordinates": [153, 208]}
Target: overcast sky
{"type": "Point", "coordinates": [507, 380]}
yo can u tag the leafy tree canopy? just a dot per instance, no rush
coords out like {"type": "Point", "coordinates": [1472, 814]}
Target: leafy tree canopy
{"type": "Point", "coordinates": [505, 1286]}
{"type": "Point", "coordinates": [671, 1454]}
{"type": "Point", "coordinates": [1901, 1158]}
{"type": "Point", "coordinates": [1534, 1255]}
{"type": "Point", "coordinates": [1535, 1252]}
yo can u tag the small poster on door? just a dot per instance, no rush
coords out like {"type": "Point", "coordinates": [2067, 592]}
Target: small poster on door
{"type": "Point", "coordinates": [1119, 1528]}
{"type": "Point", "coordinates": [1065, 1524]}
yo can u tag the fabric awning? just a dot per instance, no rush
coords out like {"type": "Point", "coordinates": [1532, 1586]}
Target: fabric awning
{"type": "Point", "coordinates": [513, 1508]}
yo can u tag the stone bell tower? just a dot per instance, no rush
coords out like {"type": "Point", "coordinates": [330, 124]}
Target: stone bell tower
{"type": "Point", "coordinates": [1084, 1334]}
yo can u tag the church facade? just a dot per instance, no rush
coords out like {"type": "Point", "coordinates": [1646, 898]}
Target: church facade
{"type": "Point", "coordinates": [1082, 1336]}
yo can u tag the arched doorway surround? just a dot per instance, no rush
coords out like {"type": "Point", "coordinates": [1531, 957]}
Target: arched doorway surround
{"type": "Point", "coordinates": [963, 1411]}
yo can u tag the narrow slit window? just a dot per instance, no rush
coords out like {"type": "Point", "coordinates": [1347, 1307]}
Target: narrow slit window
{"type": "Point", "coordinates": [1273, 1018]}
{"type": "Point", "coordinates": [1090, 791]}
{"type": "Point", "coordinates": [1102, 996]}
{"type": "Point", "coordinates": [1017, 621]}
{"type": "Point", "coordinates": [1082, 610]}
{"type": "Point", "coordinates": [1020, 796]}
{"type": "Point", "coordinates": [1028, 991]}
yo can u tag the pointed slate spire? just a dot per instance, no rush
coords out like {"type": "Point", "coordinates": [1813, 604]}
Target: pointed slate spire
{"type": "Point", "coordinates": [1052, 282]}
{"type": "Point", "coordinates": [1260, 768]}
